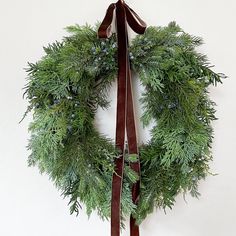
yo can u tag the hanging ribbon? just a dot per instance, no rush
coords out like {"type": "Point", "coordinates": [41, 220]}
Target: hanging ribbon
{"type": "Point", "coordinates": [125, 113]}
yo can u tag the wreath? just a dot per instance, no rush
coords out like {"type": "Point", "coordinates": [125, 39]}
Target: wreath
{"type": "Point", "coordinates": [66, 87]}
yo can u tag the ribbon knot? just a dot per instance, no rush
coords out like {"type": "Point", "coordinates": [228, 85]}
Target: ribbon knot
{"type": "Point", "coordinates": [125, 121]}
{"type": "Point", "coordinates": [134, 21]}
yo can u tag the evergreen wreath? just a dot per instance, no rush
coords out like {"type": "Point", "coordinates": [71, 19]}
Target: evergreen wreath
{"type": "Point", "coordinates": [65, 89]}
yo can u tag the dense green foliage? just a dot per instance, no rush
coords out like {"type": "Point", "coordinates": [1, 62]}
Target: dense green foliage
{"type": "Point", "coordinates": [71, 81]}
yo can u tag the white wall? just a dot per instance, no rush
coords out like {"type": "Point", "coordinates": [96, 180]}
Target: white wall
{"type": "Point", "coordinates": [29, 203]}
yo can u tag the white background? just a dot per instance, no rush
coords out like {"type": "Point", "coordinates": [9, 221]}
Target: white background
{"type": "Point", "coordinates": [29, 203]}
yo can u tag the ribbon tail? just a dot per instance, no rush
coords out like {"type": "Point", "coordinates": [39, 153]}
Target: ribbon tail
{"type": "Point", "coordinates": [138, 26]}
{"type": "Point", "coordinates": [120, 119]}
{"type": "Point", "coordinates": [133, 149]}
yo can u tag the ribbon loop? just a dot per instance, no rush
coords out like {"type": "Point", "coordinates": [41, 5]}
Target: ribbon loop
{"type": "Point", "coordinates": [104, 30]}
{"type": "Point", "coordinates": [134, 21]}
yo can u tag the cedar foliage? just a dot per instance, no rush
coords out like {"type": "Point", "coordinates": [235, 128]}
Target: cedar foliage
{"type": "Point", "coordinates": [71, 81]}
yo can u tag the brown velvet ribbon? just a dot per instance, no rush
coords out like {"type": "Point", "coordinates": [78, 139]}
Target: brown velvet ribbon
{"type": "Point", "coordinates": [125, 113]}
